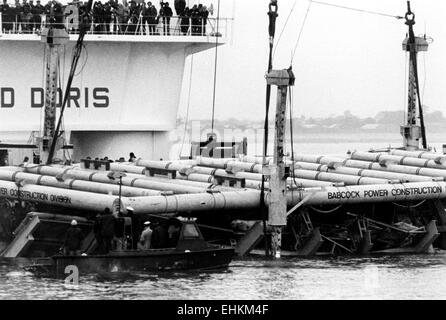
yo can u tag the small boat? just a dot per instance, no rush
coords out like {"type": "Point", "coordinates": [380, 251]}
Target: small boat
{"type": "Point", "coordinates": [191, 253]}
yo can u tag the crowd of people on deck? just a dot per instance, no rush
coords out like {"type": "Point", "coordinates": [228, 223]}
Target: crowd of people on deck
{"type": "Point", "coordinates": [119, 231]}
{"type": "Point", "coordinates": [127, 17]}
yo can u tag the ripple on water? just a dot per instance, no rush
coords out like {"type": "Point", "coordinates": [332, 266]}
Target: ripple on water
{"type": "Point", "coordinates": [384, 277]}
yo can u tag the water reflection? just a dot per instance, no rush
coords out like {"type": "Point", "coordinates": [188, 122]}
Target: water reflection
{"type": "Point", "coordinates": [377, 277]}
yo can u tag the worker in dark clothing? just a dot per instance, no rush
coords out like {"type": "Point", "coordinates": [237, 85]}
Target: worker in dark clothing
{"type": "Point", "coordinates": [174, 234]}
{"type": "Point", "coordinates": [136, 227]}
{"type": "Point", "coordinates": [107, 16]}
{"type": "Point", "coordinates": [132, 157]}
{"type": "Point", "coordinates": [6, 13]}
{"type": "Point", "coordinates": [119, 232]}
{"type": "Point", "coordinates": [56, 15]}
{"type": "Point", "coordinates": [37, 10]}
{"type": "Point", "coordinates": [166, 13]}
{"type": "Point", "coordinates": [152, 18]}
{"type": "Point", "coordinates": [107, 229]}
{"type": "Point", "coordinates": [160, 237]}
{"type": "Point", "coordinates": [185, 21]}
{"type": "Point", "coordinates": [97, 233]}
{"type": "Point", "coordinates": [144, 18]}
{"type": "Point", "coordinates": [16, 12]}
{"type": "Point", "coordinates": [195, 20]}
{"type": "Point", "coordinates": [73, 240]}
{"type": "Point", "coordinates": [204, 14]}
{"type": "Point", "coordinates": [119, 226]}
{"type": "Point", "coordinates": [26, 18]}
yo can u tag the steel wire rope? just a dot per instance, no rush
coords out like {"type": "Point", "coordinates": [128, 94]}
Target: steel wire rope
{"type": "Point", "coordinates": [301, 30]}
{"type": "Point", "coordinates": [215, 65]}
{"type": "Point", "coordinates": [43, 86]}
{"type": "Point", "coordinates": [326, 211]}
{"type": "Point", "coordinates": [62, 132]}
{"type": "Point", "coordinates": [292, 138]}
{"type": "Point", "coordinates": [188, 106]}
{"type": "Point", "coordinates": [85, 61]}
{"type": "Point", "coordinates": [356, 9]}
{"type": "Point", "coordinates": [283, 29]}
{"type": "Point", "coordinates": [424, 77]}
{"type": "Point", "coordinates": [410, 206]}
{"type": "Point", "coordinates": [65, 152]}
{"type": "Point", "coordinates": [406, 93]}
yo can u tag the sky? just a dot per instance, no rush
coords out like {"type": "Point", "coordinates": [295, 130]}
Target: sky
{"type": "Point", "coordinates": [345, 60]}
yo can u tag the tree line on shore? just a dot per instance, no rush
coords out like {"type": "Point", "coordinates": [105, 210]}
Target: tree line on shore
{"type": "Point", "coordinates": [384, 121]}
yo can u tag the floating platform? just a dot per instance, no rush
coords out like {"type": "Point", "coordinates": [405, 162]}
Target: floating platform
{"type": "Point", "coordinates": [364, 202]}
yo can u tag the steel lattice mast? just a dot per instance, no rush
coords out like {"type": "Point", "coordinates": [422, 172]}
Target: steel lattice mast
{"type": "Point", "coordinates": [413, 130]}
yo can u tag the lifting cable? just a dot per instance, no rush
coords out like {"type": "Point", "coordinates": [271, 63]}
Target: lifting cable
{"type": "Point", "coordinates": [85, 61]}
{"type": "Point", "coordinates": [301, 30]}
{"type": "Point", "coordinates": [283, 29]}
{"type": "Point", "coordinates": [406, 63]}
{"type": "Point", "coordinates": [340, 7]}
{"type": "Point", "coordinates": [186, 121]}
{"type": "Point", "coordinates": [292, 138]}
{"type": "Point", "coordinates": [215, 65]}
{"type": "Point", "coordinates": [356, 9]}
{"type": "Point", "coordinates": [63, 133]}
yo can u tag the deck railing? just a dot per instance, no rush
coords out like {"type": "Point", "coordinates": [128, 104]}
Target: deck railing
{"type": "Point", "coordinates": [178, 26]}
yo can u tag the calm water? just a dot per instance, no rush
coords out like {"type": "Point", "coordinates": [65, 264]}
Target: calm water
{"type": "Point", "coordinates": [397, 277]}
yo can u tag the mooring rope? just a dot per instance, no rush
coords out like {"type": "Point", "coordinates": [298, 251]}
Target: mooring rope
{"type": "Point", "coordinates": [409, 206]}
{"type": "Point", "coordinates": [326, 211]}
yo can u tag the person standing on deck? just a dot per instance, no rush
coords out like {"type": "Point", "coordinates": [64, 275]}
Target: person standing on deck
{"type": "Point", "coordinates": [185, 21]}
{"type": "Point", "coordinates": [37, 11]}
{"type": "Point", "coordinates": [73, 240]}
{"type": "Point", "coordinates": [166, 13]}
{"type": "Point", "coordinates": [119, 236]}
{"type": "Point", "coordinates": [136, 227]}
{"type": "Point", "coordinates": [146, 236]}
{"type": "Point", "coordinates": [204, 13]}
{"type": "Point", "coordinates": [160, 237]}
{"type": "Point", "coordinates": [152, 18]}
{"type": "Point", "coordinates": [107, 229]}
{"type": "Point", "coordinates": [6, 13]}
{"type": "Point", "coordinates": [16, 15]}
{"type": "Point", "coordinates": [25, 162]}
{"type": "Point", "coordinates": [132, 157]}
{"type": "Point", "coordinates": [97, 234]}
{"type": "Point", "coordinates": [145, 18]}
{"type": "Point", "coordinates": [174, 235]}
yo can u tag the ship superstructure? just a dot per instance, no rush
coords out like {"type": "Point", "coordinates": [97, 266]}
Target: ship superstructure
{"type": "Point", "coordinates": [125, 95]}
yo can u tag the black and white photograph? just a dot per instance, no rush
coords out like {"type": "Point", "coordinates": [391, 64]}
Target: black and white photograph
{"type": "Point", "coordinates": [248, 151]}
